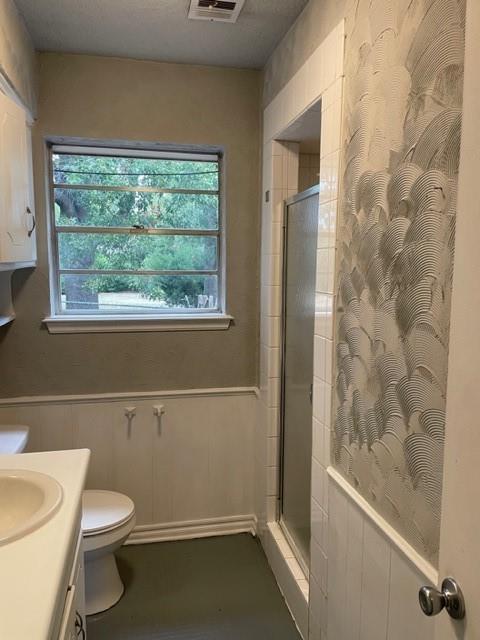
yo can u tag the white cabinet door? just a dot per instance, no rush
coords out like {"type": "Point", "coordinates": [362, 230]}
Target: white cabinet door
{"type": "Point", "coordinates": [67, 627]}
{"type": "Point", "coordinates": [17, 215]}
{"type": "Point", "coordinates": [73, 623]}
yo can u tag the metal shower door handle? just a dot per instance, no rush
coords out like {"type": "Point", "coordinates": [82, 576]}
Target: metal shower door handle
{"type": "Point", "coordinates": [432, 601]}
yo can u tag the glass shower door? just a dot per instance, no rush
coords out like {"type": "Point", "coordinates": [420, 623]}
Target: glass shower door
{"type": "Point", "coordinates": [299, 322]}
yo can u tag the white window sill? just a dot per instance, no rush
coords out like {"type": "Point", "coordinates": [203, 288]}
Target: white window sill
{"type": "Point", "coordinates": [129, 324]}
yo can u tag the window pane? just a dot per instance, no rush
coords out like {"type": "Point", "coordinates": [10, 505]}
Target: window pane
{"type": "Point", "coordinates": [137, 252]}
{"type": "Point", "coordinates": [137, 294]}
{"type": "Point", "coordinates": [146, 172]}
{"type": "Point", "coordinates": [76, 207]}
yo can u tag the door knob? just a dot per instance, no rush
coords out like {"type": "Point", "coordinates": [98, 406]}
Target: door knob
{"type": "Point", "coordinates": [432, 601]}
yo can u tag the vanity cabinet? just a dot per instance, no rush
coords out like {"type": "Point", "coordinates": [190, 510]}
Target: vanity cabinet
{"type": "Point", "coordinates": [17, 211]}
{"type": "Point", "coordinates": [73, 624]}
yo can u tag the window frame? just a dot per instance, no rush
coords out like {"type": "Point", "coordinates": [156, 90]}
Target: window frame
{"type": "Point", "coordinates": [60, 321]}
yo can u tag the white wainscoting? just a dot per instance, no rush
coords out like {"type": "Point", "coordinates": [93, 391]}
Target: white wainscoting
{"type": "Point", "coordinates": [373, 575]}
{"type": "Point", "coordinates": [189, 473]}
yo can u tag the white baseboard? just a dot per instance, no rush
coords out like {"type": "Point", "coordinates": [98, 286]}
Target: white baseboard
{"type": "Point", "coordinates": [143, 534]}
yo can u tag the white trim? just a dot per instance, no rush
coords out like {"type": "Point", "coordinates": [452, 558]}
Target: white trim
{"type": "Point", "coordinates": [295, 550]}
{"type": "Point", "coordinates": [122, 396]}
{"type": "Point", "coordinates": [139, 323]}
{"type": "Point", "coordinates": [282, 561]}
{"type": "Point", "coordinates": [212, 319]}
{"type": "Point", "coordinates": [406, 549]}
{"type": "Point", "coordinates": [307, 85]}
{"type": "Point", "coordinates": [206, 528]}
{"type": "Point", "coordinates": [114, 151]}
{"type": "Point", "coordinates": [13, 266]}
{"type": "Point", "coordinates": [285, 548]}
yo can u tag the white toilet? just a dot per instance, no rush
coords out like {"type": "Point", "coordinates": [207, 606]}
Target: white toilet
{"type": "Point", "coordinates": [107, 520]}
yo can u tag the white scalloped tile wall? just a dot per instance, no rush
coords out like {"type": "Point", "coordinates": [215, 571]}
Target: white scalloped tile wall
{"type": "Point", "coordinates": [401, 167]}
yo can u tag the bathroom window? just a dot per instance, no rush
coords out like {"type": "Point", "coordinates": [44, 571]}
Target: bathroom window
{"type": "Point", "coordinates": [135, 232]}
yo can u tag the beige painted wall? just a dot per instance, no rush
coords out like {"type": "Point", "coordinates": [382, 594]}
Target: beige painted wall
{"type": "Point", "coordinates": [113, 98]}
{"type": "Point", "coordinates": [310, 29]}
{"type": "Point", "coordinates": [17, 56]}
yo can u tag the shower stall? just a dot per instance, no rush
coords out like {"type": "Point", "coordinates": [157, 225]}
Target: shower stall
{"type": "Point", "coordinates": [299, 271]}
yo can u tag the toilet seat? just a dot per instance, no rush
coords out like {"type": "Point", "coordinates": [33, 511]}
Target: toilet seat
{"type": "Point", "coordinates": [105, 511]}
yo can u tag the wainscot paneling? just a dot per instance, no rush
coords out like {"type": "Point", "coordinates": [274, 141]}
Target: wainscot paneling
{"type": "Point", "coordinates": [189, 470]}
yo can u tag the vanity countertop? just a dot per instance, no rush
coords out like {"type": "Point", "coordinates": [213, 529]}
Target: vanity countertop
{"type": "Point", "coordinates": [13, 439]}
{"type": "Point", "coordinates": [34, 570]}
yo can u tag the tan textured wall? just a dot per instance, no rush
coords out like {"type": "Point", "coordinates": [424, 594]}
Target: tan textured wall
{"type": "Point", "coordinates": [17, 56]}
{"type": "Point", "coordinates": [310, 29]}
{"type": "Point", "coordinates": [110, 98]}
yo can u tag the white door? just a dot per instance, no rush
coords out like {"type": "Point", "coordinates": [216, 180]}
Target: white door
{"type": "Point", "coordinates": [460, 526]}
{"type": "Point", "coordinates": [16, 199]}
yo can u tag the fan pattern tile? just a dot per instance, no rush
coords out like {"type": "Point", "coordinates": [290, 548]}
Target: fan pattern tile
{"type": "Point", "coordinates": [404, 75]}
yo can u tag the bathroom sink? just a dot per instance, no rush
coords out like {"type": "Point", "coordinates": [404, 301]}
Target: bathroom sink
{"type": "Point", "coordinates": [28, 499]}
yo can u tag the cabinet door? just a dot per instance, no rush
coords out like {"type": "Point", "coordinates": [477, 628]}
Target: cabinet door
{"type": "Point", "coordinates": [17, 241]}
{"type": "Point", "coordinates": [67, 627]}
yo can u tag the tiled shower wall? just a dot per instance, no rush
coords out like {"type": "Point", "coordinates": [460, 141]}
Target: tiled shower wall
{"type": "Point", "coordinates": [320, 78]}
{"type": "Point", "coordinates": [323, 360]}
{"type": "Point", "coordinates": [308, 170]}
{"type": "Point", "coordinates": [281, 170]}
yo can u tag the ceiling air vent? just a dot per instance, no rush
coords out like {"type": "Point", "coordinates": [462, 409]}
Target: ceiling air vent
{"type": "Point", "coordinates": [215, 10]}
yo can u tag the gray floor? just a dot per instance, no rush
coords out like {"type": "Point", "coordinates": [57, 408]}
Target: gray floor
{"type": "Point", "coordinates": [208, 589]}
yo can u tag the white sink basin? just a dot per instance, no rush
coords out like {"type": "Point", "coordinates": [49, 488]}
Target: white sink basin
{"type": "Point", "coordinates": [28, 499]}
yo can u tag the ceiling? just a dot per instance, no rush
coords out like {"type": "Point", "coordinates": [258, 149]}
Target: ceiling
{"type": "Point", "coordinates": [159, 30]}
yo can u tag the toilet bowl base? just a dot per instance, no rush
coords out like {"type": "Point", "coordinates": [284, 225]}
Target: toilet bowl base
{"type": "Point", "coordinates": [103, 586]}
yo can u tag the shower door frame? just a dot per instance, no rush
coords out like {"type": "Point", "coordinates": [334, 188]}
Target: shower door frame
{"type": "Point", "coordinates": [298, 197]}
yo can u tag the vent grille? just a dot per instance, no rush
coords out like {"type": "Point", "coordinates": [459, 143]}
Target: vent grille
{"type": "Point", "coordinates": [220, 4]}
{"type": "Point", "coordinates": [215, 10]}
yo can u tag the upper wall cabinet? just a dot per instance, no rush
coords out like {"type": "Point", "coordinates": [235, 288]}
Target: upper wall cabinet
{"type": "Point", "coordinates": [17, 213]}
